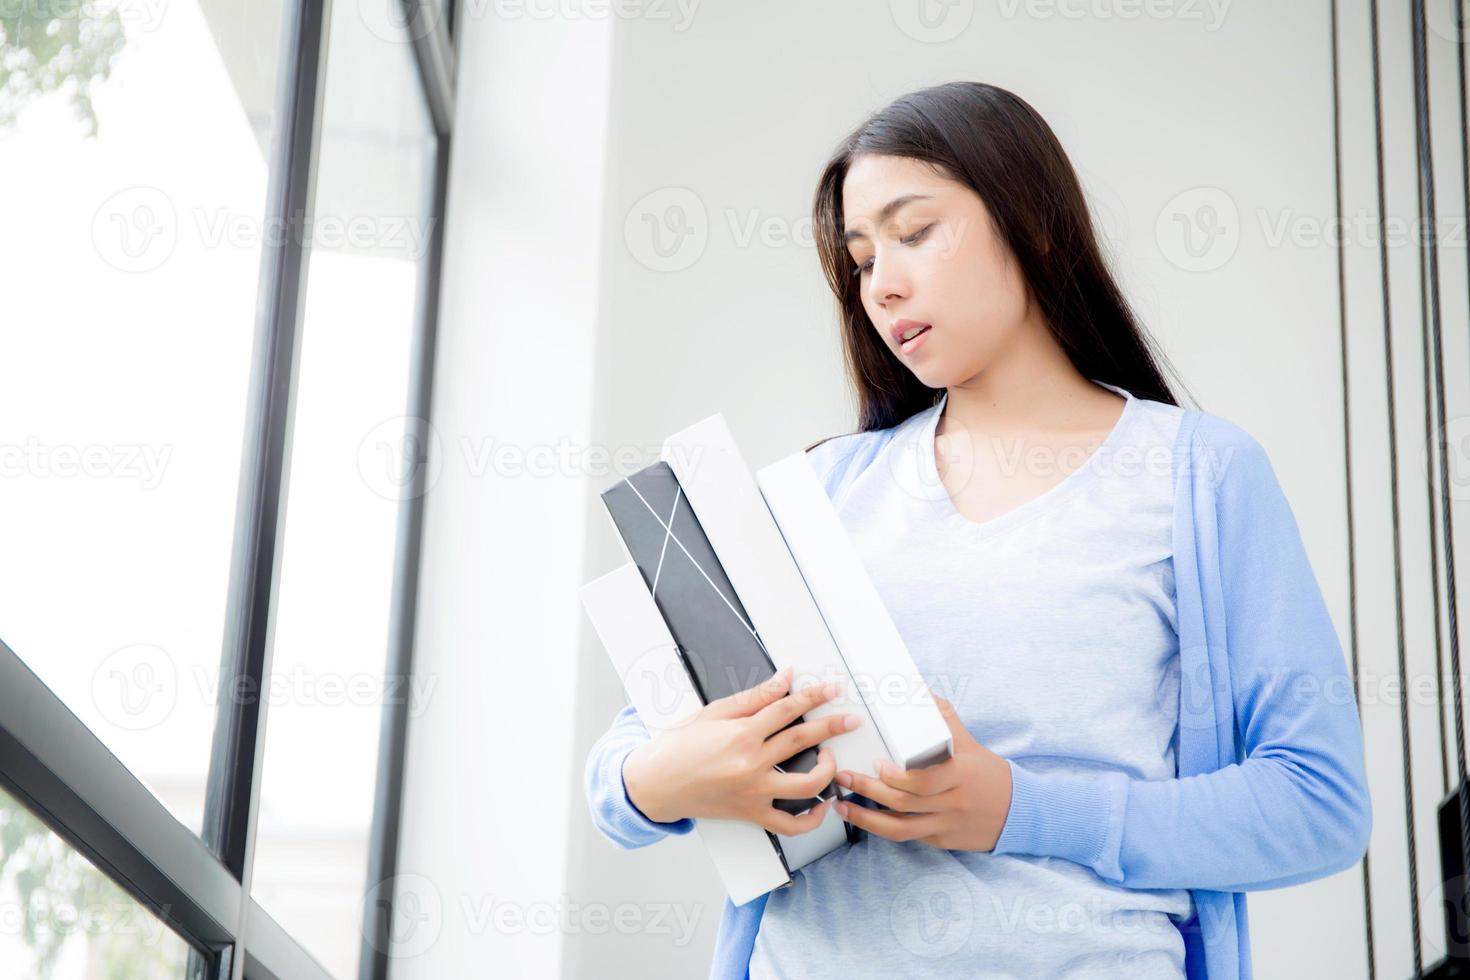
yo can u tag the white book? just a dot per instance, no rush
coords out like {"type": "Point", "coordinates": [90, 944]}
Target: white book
{"type": "Point", "coordinates": [750, 861]}
{"type": "Point", "coordinates": [897, 697]}
{"type": "Point", "coordinates": [722, 492]}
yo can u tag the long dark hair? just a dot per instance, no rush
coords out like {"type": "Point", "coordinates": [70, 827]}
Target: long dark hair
{"type": "Point", "coordinates": [992, 141]}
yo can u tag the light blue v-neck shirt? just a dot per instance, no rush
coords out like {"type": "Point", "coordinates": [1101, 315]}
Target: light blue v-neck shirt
{"type": "Point", "coordinates": [1051, 628]}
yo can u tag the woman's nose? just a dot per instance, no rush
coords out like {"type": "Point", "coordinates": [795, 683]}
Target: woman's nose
{"type": "Point", "coordinates": [888, 282]}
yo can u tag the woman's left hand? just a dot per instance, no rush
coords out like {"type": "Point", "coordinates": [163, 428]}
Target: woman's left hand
{"type": "Point", "coordinates": [959, 804]}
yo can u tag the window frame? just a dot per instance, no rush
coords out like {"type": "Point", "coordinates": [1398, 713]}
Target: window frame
{"type": "Point", "coordinates": [199, 884]}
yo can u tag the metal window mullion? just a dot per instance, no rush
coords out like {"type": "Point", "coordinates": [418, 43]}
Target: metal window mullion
{"type": "Point", "coordinates": [239, 742]}
{"type": "Point", "coordinates": [388, 797]}
{"type": "Point", "coordinates": [271, 953]}
{"type": "Point", "coordinates": [434, 56]}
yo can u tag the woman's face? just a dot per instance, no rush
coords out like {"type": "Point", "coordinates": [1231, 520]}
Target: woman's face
{"type": "Point", "coordinates": [935, 259]}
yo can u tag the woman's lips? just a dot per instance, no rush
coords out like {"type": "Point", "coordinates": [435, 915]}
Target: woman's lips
{"type": "Point", "coordinates": [903, 326]}
{"type": "Point", "coordinates": [913, 344]}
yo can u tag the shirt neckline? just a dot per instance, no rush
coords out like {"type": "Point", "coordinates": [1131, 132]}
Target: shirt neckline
{"type": "Point", "coordinates": [934, 487]}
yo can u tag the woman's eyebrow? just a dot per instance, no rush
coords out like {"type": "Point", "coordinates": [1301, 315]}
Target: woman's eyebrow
{"type": "Point", "coordinates": [885, 212]}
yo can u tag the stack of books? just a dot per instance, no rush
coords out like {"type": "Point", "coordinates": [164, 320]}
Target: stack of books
{"type": "Point", "coordinates": [732, 576]}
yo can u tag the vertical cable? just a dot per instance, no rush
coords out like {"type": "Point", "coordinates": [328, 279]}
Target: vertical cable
{"type": "Point", "coordinates": [1429, 277]}
{"type": "Point", "coordinates": [1393, 469]}
{"type": "Point", "coordinates": [1347, 439]}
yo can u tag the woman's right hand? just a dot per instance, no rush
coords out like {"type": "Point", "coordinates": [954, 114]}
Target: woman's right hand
{"type": "Point", "coordinates": [721, 763]}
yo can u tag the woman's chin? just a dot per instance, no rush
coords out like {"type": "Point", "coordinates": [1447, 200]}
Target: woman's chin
{"type": "Point", "coordinates": [932, 376]}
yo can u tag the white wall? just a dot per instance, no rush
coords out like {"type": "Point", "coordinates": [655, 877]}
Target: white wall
{"type": "Point", "coordinates": [489, 802]}
{"type": "Point", "coordinates": [577, 136]}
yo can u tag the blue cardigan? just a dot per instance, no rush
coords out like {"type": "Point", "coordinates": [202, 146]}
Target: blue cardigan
{"type": "Point", "coordinates": [1271, 788]}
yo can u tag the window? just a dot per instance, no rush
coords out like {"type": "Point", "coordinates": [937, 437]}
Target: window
{"type": "Point", "coordinates": [65, 919]}
{"type": "Point", "coordinates": [132, 253]}
{"type": "Point", "coordinates": [347, 483]}
{"type": "Point", "coordinates": [222, 255]}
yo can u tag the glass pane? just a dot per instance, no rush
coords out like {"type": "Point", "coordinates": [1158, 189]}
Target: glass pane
{"type": "Point", "coordinates": [347, 478]}
{"type": "Point", "coordinates": [66, 920]}
{"type": "Point", "coordinates": [133, 143]}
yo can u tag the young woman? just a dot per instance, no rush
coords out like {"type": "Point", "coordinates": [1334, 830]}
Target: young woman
{"type": "Point", "coordinates": [1106, 593]}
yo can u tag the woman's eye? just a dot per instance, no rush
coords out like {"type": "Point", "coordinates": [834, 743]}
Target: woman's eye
{"type": "Point", "coordinates": [911, 240]}
{"type": "Point", "coordinates": [914, 238]}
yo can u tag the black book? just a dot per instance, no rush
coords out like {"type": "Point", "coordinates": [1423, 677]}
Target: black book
{"type": "Point", "coordinates": [717, 641]}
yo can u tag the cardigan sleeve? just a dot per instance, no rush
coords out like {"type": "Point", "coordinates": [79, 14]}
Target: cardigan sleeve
{"type": "Point", "coordinates": [615, 816]}
{"type": "Point", "coordinates": [1295, 805]}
